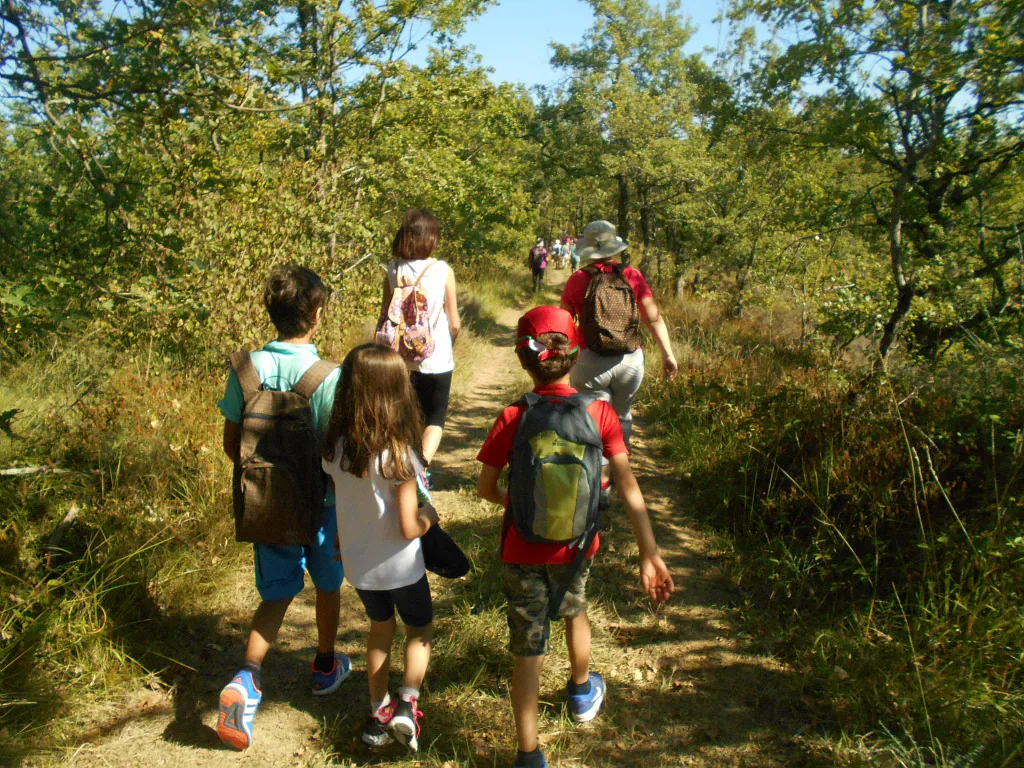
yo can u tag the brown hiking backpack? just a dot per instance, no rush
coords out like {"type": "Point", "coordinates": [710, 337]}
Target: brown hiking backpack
{"type": "Point", "coordinates": [278, 485]}
{"type": "Point", "coordinates": [609, 317]}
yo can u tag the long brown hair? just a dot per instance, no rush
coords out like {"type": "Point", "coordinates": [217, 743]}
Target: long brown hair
{"type": "Point", "coordinates": [375, 410]}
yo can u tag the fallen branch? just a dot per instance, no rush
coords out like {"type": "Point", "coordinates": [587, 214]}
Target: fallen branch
{"type": "Point", "coordinates": [23, 471]}
{"type": "Point", "coordinates": [353, 266]}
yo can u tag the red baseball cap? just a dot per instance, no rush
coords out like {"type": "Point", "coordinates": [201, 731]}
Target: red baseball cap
{"type": "Point", "coordinates": [546, 319]}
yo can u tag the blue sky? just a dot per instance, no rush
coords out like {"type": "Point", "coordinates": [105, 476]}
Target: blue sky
{"type": "Point", "coordinates": [514, 36]}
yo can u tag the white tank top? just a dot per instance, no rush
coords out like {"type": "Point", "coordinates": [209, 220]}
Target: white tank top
{"type": "Point", "coordinates": [432, 285]}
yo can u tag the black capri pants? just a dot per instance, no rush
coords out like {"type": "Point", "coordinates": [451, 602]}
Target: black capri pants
{"type": "Point", "coordinates": [433, 390]}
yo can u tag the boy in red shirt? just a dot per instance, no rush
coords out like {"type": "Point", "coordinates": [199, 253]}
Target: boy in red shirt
{"type": "Point", "coordinates": [547, 347]}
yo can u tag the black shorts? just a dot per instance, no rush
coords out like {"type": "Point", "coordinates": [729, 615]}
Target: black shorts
{"type": "Point", "coordinates": [413, 603]}
{"type": "Point", "coordinates": [433, 391]}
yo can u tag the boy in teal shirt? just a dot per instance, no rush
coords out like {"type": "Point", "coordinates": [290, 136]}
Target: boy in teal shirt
{"type": "Point", "coordinates": [295, 299]}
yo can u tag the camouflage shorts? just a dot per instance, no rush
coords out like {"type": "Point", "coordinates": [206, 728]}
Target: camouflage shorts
{"type": "Point", "coordinates": [527, 589]}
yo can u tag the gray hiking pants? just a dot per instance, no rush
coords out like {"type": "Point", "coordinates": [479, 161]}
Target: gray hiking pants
{"type": "Point", "coordinates": [615, 379]}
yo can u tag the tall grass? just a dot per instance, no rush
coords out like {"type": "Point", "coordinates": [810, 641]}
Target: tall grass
{"type": "Point", "coordinates": [876, 523]}
{"type": "Point", "coordinates": [135, 435]}
{"type": "Point", "coordinates": [135, 447]}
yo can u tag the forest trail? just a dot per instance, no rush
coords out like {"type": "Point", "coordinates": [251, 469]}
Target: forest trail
{"type": "Point", "coordinates": [683, 689]}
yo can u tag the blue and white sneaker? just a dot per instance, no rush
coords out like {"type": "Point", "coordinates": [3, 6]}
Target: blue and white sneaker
{"type": "Point", "coordinates": [238, 703]}
{"type": "Point", "coordinates": [585, 706]}
{"type": "Point", "coordinates": [328, 682]}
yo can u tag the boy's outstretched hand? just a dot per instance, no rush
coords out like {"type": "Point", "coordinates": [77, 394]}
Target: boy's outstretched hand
{"type": "Point", "coordinates": [655, 578]}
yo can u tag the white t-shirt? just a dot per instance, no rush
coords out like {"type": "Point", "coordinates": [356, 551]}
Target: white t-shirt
{"type": "Point", "coordinates": [373, 551]}
{"type": "Point", "coordinates": [432, 285]}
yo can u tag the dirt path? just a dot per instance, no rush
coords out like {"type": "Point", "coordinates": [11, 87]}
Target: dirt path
{"type": "Point", "coordinates": [683, 687]}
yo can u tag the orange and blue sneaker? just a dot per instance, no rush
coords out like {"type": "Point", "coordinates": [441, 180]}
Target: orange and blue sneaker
{"type": "Point", "coordinates": [328, 682]}
{"type": "Point", "coordinates": [584, 706]}
{"type": "Point", "coordinates": [238, 703]}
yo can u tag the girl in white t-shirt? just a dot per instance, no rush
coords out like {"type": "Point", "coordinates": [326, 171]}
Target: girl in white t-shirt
{"type": "Point", "coordinates": [372, 452]}
{"type": "Point", "coordinates": [413, 249]}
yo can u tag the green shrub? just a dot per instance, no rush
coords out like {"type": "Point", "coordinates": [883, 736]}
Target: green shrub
{"type": "Point", "coordinates": [876, 519]}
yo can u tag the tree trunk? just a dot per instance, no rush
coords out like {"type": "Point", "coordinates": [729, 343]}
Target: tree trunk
{"type": "Point", "coordinates": [904, 289]}
{"type": "Point", "coordinates": [623, 222]}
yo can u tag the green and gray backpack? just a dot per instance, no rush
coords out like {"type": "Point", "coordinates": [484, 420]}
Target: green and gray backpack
{"type": "Point", "coordinates": [555, 483]}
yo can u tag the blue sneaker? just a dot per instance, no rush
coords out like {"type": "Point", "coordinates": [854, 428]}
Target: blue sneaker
{"type": "Point", "coordinates": [585, 706]}
{"type": "Point", "coordinates": [238, 703]}
{"type": "Point", "coordinates": [328, 682]}
{"type": "Point", "coordinates": [531, 760]}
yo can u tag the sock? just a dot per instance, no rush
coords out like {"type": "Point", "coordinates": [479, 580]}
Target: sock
{"type": "Point", "coordinates": [257, 673]}
{"type": "Point", "coordinates": [324, 662]}
{"type": "Point", "coordinates": [578, 689]}
{"type": "Point", "coordinates": [533, 759]}
{"type": "Point", "coordinates": [406, 693]}
{"type": "Point", "coordinates": [376, 705]}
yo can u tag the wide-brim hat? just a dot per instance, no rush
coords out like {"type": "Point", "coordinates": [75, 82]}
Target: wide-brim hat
{"type": "Point", "coordinates": [600, 240]}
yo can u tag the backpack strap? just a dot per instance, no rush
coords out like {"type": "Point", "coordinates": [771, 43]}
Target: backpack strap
{"type": "Point", "coordinates": [400, 284]}
{"type": "Point", "coordinates": [530, 399]}
{"type": "Point", "coordinates": [558, 593]}
{"type": "Point", "coordinates": [424, 272]}
{"type": "Point", "coordinates": [313, 378]}
{"type": "Point", "coordinates": [248, 378]}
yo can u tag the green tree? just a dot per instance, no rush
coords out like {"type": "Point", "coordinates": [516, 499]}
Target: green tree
{"type": "Point", "coordinates": [630, 103]}
{"type": "Point", "coordinates": [930, 93]}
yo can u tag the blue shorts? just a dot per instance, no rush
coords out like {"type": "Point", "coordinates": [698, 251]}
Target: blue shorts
{"type": "Point", "coordinates": [279, 570]}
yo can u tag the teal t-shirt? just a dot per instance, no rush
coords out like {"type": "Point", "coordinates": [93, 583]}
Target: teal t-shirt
{"type": "Point", "coordinates": [280, 366]}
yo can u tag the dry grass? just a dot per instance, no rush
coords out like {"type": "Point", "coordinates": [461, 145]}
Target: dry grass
{"type": "Point", "coordinates": [873, 522]}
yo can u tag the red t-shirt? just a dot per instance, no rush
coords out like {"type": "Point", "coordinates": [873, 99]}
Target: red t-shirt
{"type": "Point", "coordinates": [497, 452]}
{"type": "Point", "coordinates": [576, 287]}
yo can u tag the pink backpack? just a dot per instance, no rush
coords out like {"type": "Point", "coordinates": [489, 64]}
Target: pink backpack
{"type": "Point", "coordinates": [406, 328]}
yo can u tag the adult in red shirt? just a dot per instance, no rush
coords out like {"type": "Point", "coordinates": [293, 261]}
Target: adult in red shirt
{"type": "Point", "coordinates": [615, 378]}
{"type": "Point", "coordinates": [547, 347]}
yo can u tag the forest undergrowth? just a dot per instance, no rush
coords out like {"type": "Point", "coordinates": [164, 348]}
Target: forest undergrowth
{"type": "Point", "coordinates": [121, 516]}
{"type": "Point", "coordinates": [872, 525]}
{"type": "Point", "coordinates": [874, 517]}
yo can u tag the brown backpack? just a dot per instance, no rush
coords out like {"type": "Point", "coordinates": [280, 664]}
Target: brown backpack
{"type": "Point", "coordinates": [278, 485]}
{"type": "Point", "coordinates": [609, 317]}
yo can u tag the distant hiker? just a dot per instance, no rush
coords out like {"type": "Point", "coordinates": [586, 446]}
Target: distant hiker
{"type": "Point", "coordinates": [556, 438]}
{"type": "Point", "coordinates": [610, 301]}
{"type": "Point", "coordinates": [538, 263]}
{"type": "Point", "coordinates": [559, 253]}
{"type": "Point", "coordinates": [276, 407]}
{"type": "Point", "coordinates": [574, 259]}
{"type": "Point", "coordinates": [372, 452]}
{"type": "Point", "coordinates": [419, 318]}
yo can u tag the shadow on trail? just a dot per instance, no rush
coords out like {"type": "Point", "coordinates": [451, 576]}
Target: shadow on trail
{"type": "Point", "coordinates": [681, 681]}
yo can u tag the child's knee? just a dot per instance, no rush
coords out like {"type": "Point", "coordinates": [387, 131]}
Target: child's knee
{"type": "Point", "coordinates": [280, 603]}
{"type": "Point", "coordinates": [380, 627]}
{"type": "Point", "coordinates": [424, 634]}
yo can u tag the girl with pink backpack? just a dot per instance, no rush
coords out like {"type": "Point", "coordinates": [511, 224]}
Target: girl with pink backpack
{"type": "Point", "coordinates": [419, 318]}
